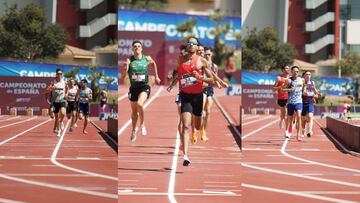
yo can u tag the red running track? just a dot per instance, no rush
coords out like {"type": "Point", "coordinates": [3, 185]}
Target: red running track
{"type": "Point", "coordinates": [150, 169]}
{"type": "Point", "coordinates": [38, 166]}
{"type": "Point", "coordinates": [276, 170]}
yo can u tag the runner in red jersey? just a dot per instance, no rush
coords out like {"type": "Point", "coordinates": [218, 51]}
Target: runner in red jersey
{"type": "Point", "coordinates": [190, 76]}
{"type": "Point", "coordinates": [282, 95]}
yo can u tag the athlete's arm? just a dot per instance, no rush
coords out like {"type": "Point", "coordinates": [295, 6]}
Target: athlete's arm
{"type": "Point", "coordinates": [285, 87]}
{"type": "Point", "coordinates": [174, 78]}
{"type": "Point", "coordinates": [209, 76]}
{"type": "Point", "coordinates": [218, 81]}
{"type": "Point", "coordinates": [125, 70]}
{"type": "Point", "coordinates": [153, 64]}
{"type": "Point", "coordinates": [90, 95]}
{"type": "Point", "coordinates": [276, 86]}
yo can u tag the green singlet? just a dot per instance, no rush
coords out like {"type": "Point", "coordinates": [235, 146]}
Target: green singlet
{"type": "Point", "coordinates": [138, 71]}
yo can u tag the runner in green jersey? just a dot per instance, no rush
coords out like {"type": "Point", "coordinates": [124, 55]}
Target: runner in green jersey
{"type": "Point", "coordinates": [137, 67]}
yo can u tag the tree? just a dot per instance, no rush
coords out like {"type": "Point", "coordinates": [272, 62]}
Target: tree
{"type": "Point", "coordinates": [108, 81]}
{"type": "Point", "coordinates": [71, 73]}
{"type": "Point", "coordinates": [153, 5]}
{"type": "Point", "coordinates": [221, 51]}
{"type": "Point", "coordinates": [263, 52]}
{"type": "Point", "coordinates": [94, 78]}
{"type": "Point", "coordinates": [25, 34]}
{"type": "Point", "coordinates": [350, 66]}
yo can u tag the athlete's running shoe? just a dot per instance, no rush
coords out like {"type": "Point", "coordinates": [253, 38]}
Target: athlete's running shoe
{"type": "Point", "coordinates": [75, 125]}
{"type": "Point", "coordinates": [71, 129]}
{"type": "Point", "coordinates": [143, 130]}
{"type": "Point", "coordinates": [203, 135]}
{"type": "Point", "coordinates": [287, 134]}
{"type": "Point", "coordinates": [193, 138]}
{"type": "Point", "coordinates": [55, 130]}
{"type": "Point", "coordinates": [186, 161]}
{"type": "Point", "coordinates": [133, 136]}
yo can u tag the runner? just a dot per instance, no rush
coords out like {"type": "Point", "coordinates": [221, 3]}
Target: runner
{"type": "Point", "coordinates": [71, 99]}
{"type": "Point", "coordinates": [137, 68]}
{"type": "Point", "coordinates": [208, 92]}
{"type": "Point", "coordinates": [282, 96]}
{"type": "Point", "coordinates": [103, 99]}
{"type": "Point", "coordinates": [309, 94]}
{"type": "Point", "coordinates": [200, 50]}
{"type": "Point", "coordinates": [58, 89]}
{"type": "Point", "coordinates": [190, 82]}
{"type": "Point", "coordinates": [173, 82]}
{"type": "Point", "coordinates": [294, 86]}
{"type": "Point", "coordinates": [49, 98]}
{"type": "Point", "coordinates": [84, 95]}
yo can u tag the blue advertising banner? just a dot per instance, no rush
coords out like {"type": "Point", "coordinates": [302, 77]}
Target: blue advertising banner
{"type": "Point", "coordinates": [12, 68]}
{"type": "Point", "coordinates": [326, 85]}
{"type": "Point", "coordinates": [136, 20]}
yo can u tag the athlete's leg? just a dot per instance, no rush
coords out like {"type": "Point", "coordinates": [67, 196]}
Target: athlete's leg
{"type": "Point", "coordinates": [186, 129]}
{"type": "Point", "coordinates": [311, 122]}
{"type": "Point", "coordinates": [298, 124]}
{"type": "Point", "coordinates": [134, 114]}
{"type": "Point", "coordinates": [141, 100]}
{"type": "Point", "coordinates": [85, 123]}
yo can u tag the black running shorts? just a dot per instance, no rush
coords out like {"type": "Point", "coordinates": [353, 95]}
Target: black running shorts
{"type": "Point", "coordinates": [192, 103]}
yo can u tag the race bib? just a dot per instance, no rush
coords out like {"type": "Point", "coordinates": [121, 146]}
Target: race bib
{"type": "Point", "coordinates": [138, 77]}
{"type": "Point", "coordinates": [188, 80]}
{"type": "Point", "coordinates": [310, 94]}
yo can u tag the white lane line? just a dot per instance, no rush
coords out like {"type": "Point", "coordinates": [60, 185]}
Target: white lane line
{"type": "Point", "coordinates": [54, 161]}
{"type": "Point", "coordinates": [107, 135]}
{"type": "Point", "coordinates": [9, 119]}
{"type": "Point", "coordinates": [283, 151]}
{"type": "Point", "coordinates": [46, 174]}
{"type": "Point", "coordinates": [303, 176]}
{"type": "Point", "coordinates": [138, 188]}
{"type": "Point", "coordinates": [219, 192]}
{"type": "Point", "coordinates": [171, 187]}
{"type": "Point", "coordinates": [58, 187]}
{"type": "Point", "coordinates": [11, 124]}
{"type": "Point", "coordinates": [277, 163]}
{"type": "Point", "coordinates": [255, 131]}
{"type": "Point", "coordinates": [15, 136]}
{"type": "Point", "coordinates": [147, 104]}
{"type": "Point", "coordinates": [257, 120]}
{"type": "Point", "coordinates": [289, 192]}
{"type": "Point", "coordinates": [337, 142]}
{"type": "Point", "coordinates": [122, 192]}
{"type": "Point", "coordinates": [9, 201]}
{"type": "Point", "coordinates": [332, 192]}
{"type": "Point", "coordinates": [227, 117]}
{"type": "Point", "coordinates": [122, 97]}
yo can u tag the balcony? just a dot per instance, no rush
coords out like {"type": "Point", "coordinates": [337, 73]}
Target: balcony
{"type": "Point", "coordinates": [312, 4]}
{"type": "Point", "coordinates": [319, 44]}
{"type": "Point", "coordinates": [97, 25]}
{"type": "Point", "coordinates": [89, 4]}
{"type": "Point", "coordinates": [319, 22]}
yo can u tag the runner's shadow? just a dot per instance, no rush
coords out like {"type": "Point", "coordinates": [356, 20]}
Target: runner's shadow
{"type": "Point", "coordinates": [234, 134]}
{"type": "Point", "coordinates": [109, 142]}
{"type": "Point", "coordinates": [167, 170]}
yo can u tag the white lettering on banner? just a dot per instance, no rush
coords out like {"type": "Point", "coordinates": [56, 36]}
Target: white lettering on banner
{"type": "Point", "coordinates": [23, 99]}
{"type": "Point", "coordinates": [22, 85]}
{"type": "Point", "coordinates": [26, 91]}
{"type": "Point", "coordinates": [234, 90]}
{"type": "Point", "coordinates": [266, 82]}
{"type": "Point", "coordinates": [201, 32]}
{"type": "Point", "coordinates": [24, 108]}
{"type": "Point", "coordinates": [128, 42]}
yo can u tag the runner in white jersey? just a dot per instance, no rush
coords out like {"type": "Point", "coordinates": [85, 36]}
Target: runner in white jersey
{"type": "Point", "coordinates": [71, 103]}
{"type": "Point", "coordinates": [58, 89]}
{"type": "Point", "coordinates": [294, 86]}
{"type": "Point", "coordinates": [85, 95]}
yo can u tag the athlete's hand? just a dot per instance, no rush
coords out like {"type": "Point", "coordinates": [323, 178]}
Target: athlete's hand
{"type": "Point", "coordinates": [196, 75]}
{"type": "Point", "coordinates": [158, 80]}
{"type": "Point", "coordinates": [224, 84]}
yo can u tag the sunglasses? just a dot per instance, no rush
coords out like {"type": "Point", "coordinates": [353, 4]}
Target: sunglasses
{"type": "Point", "coordinates": [191, 43]}
{"type": "Point", "coordinates": [207, 54]}
{"type": "Point", "coordinates": [59, 73]}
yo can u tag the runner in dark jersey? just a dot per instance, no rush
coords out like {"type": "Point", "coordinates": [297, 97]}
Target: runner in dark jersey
{"type": "Point", "coordinates": [282, 96]}
{"type": "Point", "coordinates": [190, 78]}
{"type": "Point", "coordinates": [84, 95]}
{"type": "Point", "coordinates": [103, 100]}
{"type": "Point", "coordinates": [309, 94]}
{"type": "Point", "coordinates": [137, 67]}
